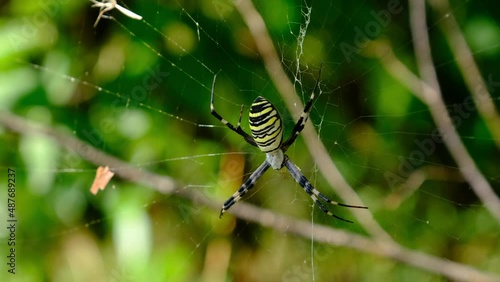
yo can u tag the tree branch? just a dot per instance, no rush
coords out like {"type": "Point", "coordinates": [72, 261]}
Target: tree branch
{"type": "Point", "coordinates": [432, 97]}
{"type": "Point", "coordinates": [469, 69]}
{"type": "Point", "coordinates": [325, 234]}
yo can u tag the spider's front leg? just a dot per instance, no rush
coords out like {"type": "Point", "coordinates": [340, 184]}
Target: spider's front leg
{"type": "Point", "coordinates": [301, 122]}
{"type": "Point", "coordinates": [236, 129]}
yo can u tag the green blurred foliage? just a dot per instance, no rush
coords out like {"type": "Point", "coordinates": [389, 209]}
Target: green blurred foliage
{"type": "Point", "coordinates": [151, 74]}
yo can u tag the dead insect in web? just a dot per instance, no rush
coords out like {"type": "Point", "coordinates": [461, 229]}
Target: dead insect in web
{"type": "Point", "coordinates": [108, 5]}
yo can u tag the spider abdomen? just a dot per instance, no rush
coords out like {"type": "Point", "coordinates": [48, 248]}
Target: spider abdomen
{"type": "Point", "coordinates": [266, 125]}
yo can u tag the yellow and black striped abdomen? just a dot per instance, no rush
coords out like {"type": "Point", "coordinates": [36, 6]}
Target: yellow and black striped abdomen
{"type": "Point", "coordinates": [266, 125]}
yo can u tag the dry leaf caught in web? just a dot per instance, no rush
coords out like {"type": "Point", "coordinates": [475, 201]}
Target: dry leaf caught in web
{"type": "Point", "coordinates": [102, 177]}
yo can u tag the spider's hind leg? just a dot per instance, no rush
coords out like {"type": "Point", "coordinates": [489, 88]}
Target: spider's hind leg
{"type": "Point", "coordinates": [324, 198]}
{"type": "Point", "coordinates": [312, 192]}
{"type": "Point", "coordinates": [247, 185]}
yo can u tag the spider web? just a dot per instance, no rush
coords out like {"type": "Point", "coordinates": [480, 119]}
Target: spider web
{"type": "Point", "coordinates": [139, 90]}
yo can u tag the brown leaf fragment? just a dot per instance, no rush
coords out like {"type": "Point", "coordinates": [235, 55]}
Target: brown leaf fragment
{"type": "Point", "coordinates": [102, 177]}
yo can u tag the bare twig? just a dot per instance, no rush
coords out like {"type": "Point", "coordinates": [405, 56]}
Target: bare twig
{"type": "Point", "coordinates": [285, 87]}
{"type": "Point", "coordinates": [328, 235]}
{"type": "Point", "coordinates": [431, 96]}
{"type": "Point", "coordinates": [469, 69]}
{"type": "Point", "coordinates": [163, 184]}
{"type": "Point", "coordinates": [422, 90]}
{"type": "Point", "coordinates": [415, 181]}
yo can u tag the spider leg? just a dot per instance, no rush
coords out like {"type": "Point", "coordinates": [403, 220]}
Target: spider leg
{"type": "Point", "coordinates": [236, 129]}
{"type": "Point", "coordinates": [249, 183]}
{"type": "Point", "coordinates": [313, 193]}
{"type": "Point", "coordinates": [324, 198]}
{"type": "Point", "coordinates": [303, 117]}
{"type": "Point", "coordinates": [239, 119]}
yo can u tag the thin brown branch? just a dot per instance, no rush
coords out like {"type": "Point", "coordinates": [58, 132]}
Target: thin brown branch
{"type": "Point", "coordinates": [286, 89]}
{"type": "Point", "coordinates": [165, 185]}
{"type": "Point", "coordinates": [432, 97]}
{"type": "Point", "coordinates": [469, 69]}
{"type": "Point", "coordinates": [452, 270]}
{"type": "Point", "coordinates": [415, 180]}
{"type": "Point", "coordinates": [325, 234]}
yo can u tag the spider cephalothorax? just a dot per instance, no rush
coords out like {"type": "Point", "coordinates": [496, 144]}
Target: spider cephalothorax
{"type": "Point", "coordinates": [267, 134]}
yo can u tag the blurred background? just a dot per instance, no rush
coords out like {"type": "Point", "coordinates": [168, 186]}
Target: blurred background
{"type": "Point", "coordinates": [139, 90]}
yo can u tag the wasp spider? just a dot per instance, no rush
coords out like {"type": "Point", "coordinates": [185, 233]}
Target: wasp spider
{"type": "Point", "coordinates": [267, 134]}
